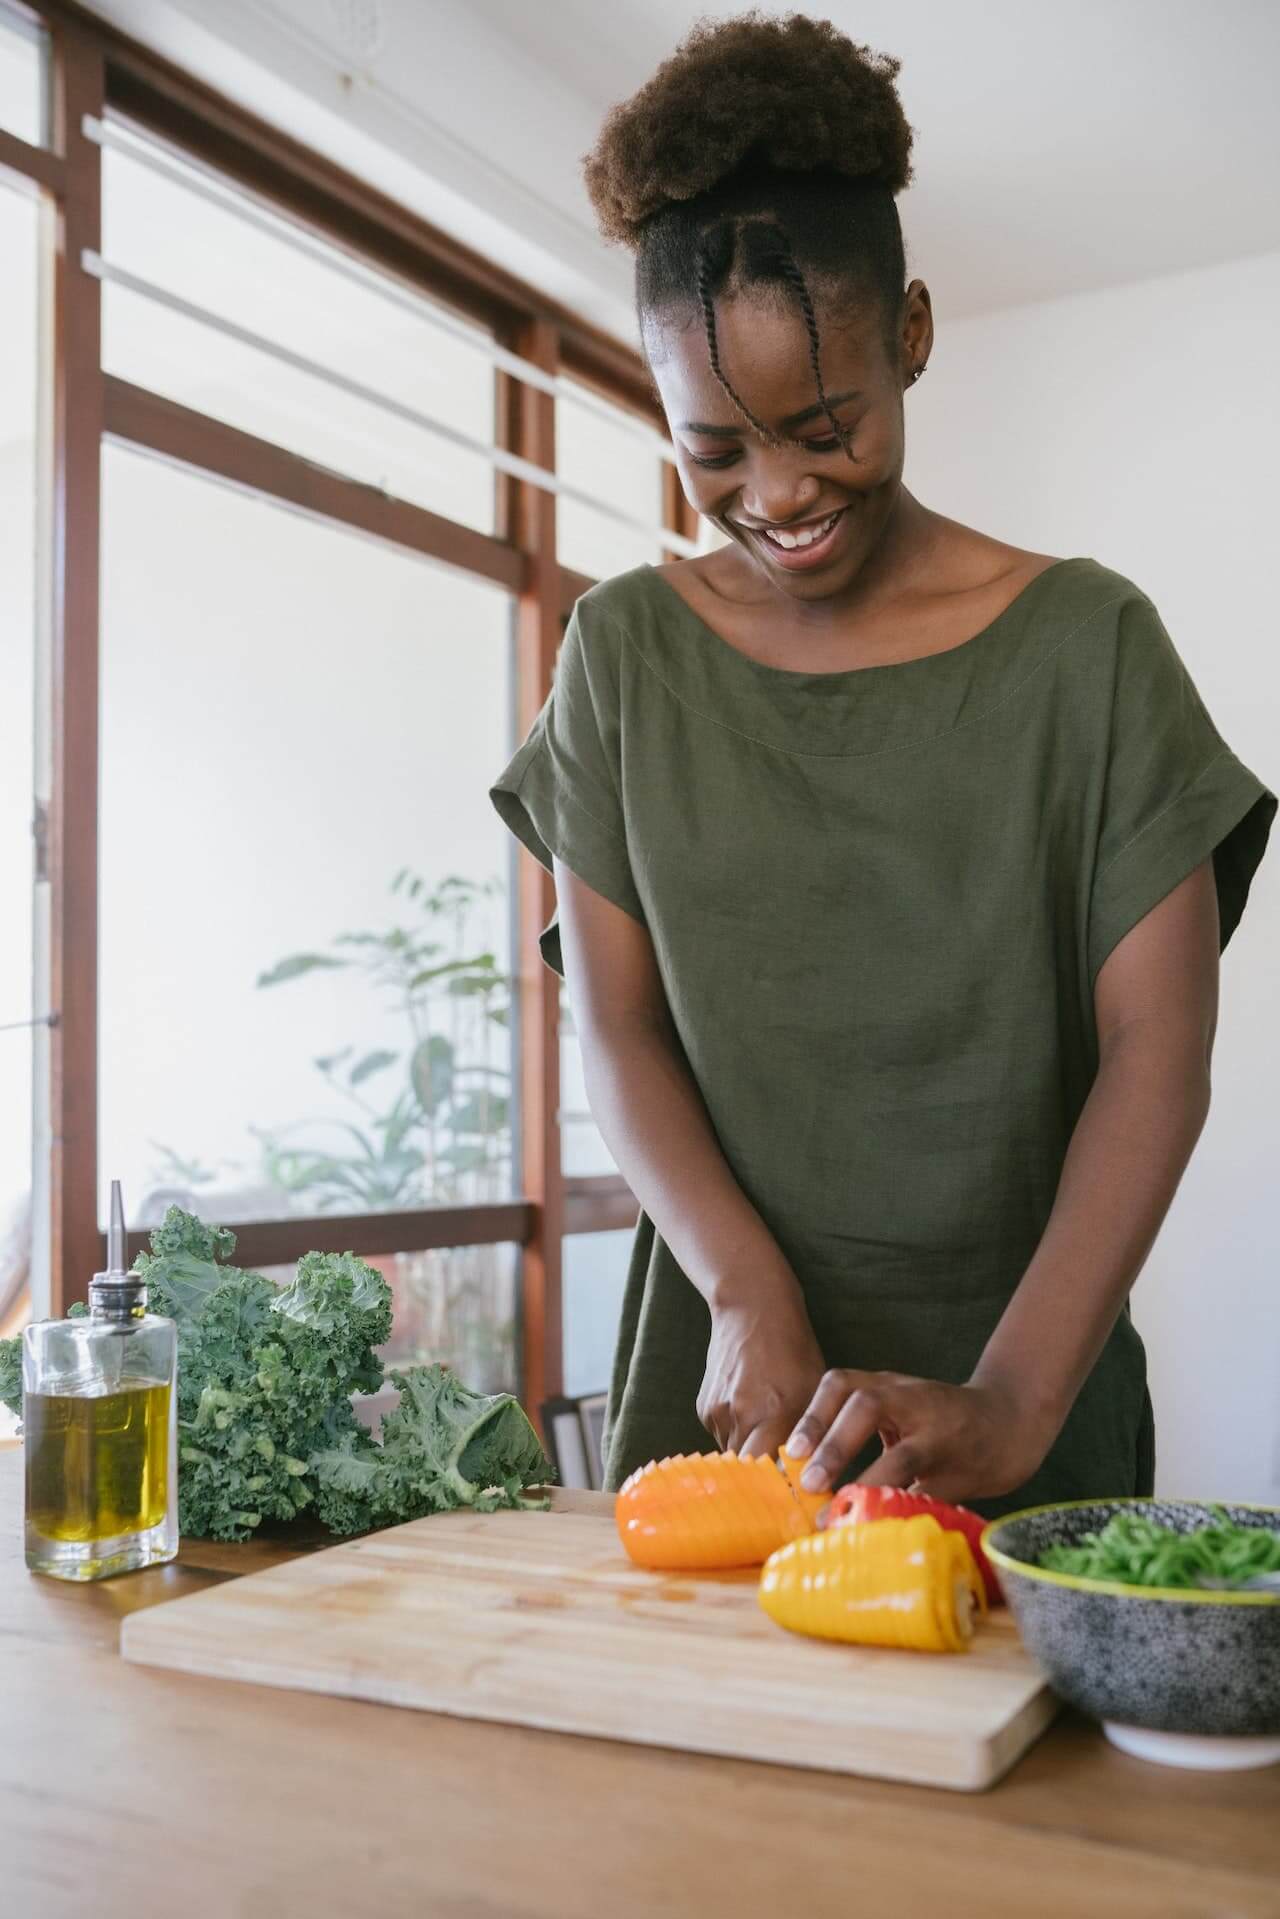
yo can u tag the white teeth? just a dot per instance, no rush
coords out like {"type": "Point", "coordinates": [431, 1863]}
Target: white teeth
{"type": "Point", "coordinates": [806, 538]}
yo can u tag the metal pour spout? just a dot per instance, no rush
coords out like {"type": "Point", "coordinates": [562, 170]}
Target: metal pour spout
{"type": "Point", "coordinates": [117, 1293]}
{"type": "Point", "coordinates": [117, 1239]}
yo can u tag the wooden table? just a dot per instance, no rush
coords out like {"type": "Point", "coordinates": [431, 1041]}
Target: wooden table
{"type": "Point", "coordinates": [126, 1791]}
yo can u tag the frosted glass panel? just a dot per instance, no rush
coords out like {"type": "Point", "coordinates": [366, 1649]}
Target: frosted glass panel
{"type": "Point", "coordinates": [23, 81]}
{"type": "Point", "coordinates": [593, 1275]}
{"type": "Point", "coordinates": [456, 1304]}
{"type": "Point", "coordinates": [19, 367]}
{"type": "Point", "coordinates": [605, 457]}
{"type": "Point", "coordinates": [170, 235]}
{"type": "Point", "coordinates": [294, 719]}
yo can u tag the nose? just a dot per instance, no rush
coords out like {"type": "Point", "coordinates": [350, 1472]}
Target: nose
{"type": "Point", "coordinates": [778, 492]}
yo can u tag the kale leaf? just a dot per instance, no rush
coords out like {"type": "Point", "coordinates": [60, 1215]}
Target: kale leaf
{"type": "Point", "coordinates": [266, 1427]}
{"type": "Point", "coordinates": [443, 1446]}
{"type": "Point", "coordinates": [11, 1375]}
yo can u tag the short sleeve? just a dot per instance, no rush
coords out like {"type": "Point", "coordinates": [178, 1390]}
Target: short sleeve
{"type": "Point", "coordinates": [1174, 793]}
{"type": "Point", "coordinates": [562, 793]}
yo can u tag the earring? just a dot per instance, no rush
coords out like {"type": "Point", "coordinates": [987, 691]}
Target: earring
{"type": "Point", "coordinates": [917, 371]}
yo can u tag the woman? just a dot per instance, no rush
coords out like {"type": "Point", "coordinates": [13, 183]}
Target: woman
{"type": "Point", "coordinates": [893, 861]}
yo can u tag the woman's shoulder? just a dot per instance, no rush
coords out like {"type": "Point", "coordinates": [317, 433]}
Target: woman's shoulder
{"type": "Point", "coordinates": [1067, 595]}
{"type": "Point", "coordinates": [1072, 581]}
{"type": "Point", "coordinates": [602, 621]}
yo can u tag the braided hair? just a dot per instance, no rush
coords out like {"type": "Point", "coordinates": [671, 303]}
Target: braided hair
{"type": "Point", "coordinates": [764, 154]}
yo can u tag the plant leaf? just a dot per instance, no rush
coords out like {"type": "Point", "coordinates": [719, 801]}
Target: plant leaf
{"type": "Point", "coordinates": [431, 1072]}
{"type": "Point", "coordinates": [470, 985]}
{"type": "Point", "coordinates": [376, 1062]}
{"type": "Point", "coordinates": [297, 964]}
{"type": "Point", "coordinates": [478, 1115]}
{"type": "Point", "coordinates": [330, 1060]}
{"type": "Point", "coordinates": [438, 972]}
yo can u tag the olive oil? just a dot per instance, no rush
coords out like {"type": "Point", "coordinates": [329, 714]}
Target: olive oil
{"type": "Point", "coordinates": [99, 1413]}
{"type": "Point", "coordinates": [97, 1463]}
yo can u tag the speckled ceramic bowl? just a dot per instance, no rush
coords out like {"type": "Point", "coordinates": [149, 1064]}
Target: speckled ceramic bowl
{"type": "Point", "coordinates": [1190, 1677]}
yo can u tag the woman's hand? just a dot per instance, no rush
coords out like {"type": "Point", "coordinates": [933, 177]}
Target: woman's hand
{"type": "Point", "coordinates": [956, 1442]}
{"type": "Point", "coordinates": [763, 1365]}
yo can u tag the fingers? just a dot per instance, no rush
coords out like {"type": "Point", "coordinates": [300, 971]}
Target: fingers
{"type": "Point", "coordinates": [845, 1412]}
{"type": "Point", "coordinates": [768, 1437]}
{"type": "Point", "coordinates": [899, 1465]}
{"type": "Point", "coordinates": [833, 1389]}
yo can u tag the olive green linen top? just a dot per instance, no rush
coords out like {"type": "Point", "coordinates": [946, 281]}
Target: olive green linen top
{"type": "Point", "coordinates": [879, 900]}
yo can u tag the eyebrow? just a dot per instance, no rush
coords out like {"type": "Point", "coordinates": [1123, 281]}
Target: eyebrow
{"type": "Point", "coordinates": [792, 419]}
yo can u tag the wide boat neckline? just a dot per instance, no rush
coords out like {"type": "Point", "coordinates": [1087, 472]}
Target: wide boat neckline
{"type": "Point", "coordinates": [796, 676]}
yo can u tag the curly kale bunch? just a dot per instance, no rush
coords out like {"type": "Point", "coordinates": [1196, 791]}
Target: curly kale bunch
{"type": "Point", "coordinates": [266, 1427]}
{"type": "Point", "coordinates": [265, 1375]}
{"type": "Point", "coordinates": [444, 1446]}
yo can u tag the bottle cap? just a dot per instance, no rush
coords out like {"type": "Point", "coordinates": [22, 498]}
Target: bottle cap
{"type": "Point", "coordinates": [117, 1292]}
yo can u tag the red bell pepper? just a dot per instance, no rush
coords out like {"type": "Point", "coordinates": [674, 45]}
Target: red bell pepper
{"type": "Point", "coordinates": [854, 1504]}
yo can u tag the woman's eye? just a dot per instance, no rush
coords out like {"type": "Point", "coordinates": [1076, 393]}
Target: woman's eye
{"type": "Point", "coordinates": [829, 445]}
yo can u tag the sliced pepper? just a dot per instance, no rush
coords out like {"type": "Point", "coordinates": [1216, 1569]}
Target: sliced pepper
{"type": "Point", "coordinates": [890, 1582]}
{"type": "Point", "coordinates": [706, 1512]}
{"type": "Point", "coordinates": [857, 1504]}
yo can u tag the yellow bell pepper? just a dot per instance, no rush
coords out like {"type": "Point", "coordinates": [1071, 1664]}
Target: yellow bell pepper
{"type": "Point", "coordinates": [888, 1582]}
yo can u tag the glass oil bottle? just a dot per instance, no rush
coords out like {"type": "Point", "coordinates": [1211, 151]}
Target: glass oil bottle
{"type": "Point", "coordinates": [99, 1415]}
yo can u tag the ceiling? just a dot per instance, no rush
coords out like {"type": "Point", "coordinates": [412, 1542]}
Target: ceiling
{"type": "Point", "coordinates": [1059, 148]}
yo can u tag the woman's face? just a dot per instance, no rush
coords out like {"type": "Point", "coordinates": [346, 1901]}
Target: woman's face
{"type": "Point", "coordinates": [746, 487]}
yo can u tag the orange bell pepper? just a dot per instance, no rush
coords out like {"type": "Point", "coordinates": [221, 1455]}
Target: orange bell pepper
{"type": "Point", "coordinates": [705, 1512]}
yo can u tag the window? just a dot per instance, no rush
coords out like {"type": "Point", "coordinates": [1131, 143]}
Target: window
{"type": "Point", "coordinates": [615, 458]}
{"type": "Point", "coordinates": [289, 338]}
{"type": "Point", "coordinates": [23, 77]}
{"type": "Point", "coordinates": [19, 1049]}
{"type": "Point", "coordinates": [456, 1304]}
{"type": "Point", "coordinates": [618, 459]}
{"type": "Point", "coordinates": [285, 598]}
{"type": "Point", "coordinates": [304, 997]}
{"type": "Point", "coordinates": [595, 1273]}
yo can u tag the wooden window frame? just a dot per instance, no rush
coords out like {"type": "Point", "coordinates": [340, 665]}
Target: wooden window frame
{"type": "Point", "coordinates": [96, 69]}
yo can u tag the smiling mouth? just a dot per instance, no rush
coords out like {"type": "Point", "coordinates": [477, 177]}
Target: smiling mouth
{"type": "Point", "coordinates": [811, 539]}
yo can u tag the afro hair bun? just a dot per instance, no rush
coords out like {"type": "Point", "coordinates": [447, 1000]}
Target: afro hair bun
{"type": "Point", "coordinates": [791, 94]}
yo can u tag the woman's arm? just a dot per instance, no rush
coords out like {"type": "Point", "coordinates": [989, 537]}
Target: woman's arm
{"type": "Point", "coordinates": [764, 1361]}
{"type": "Point", "coordinates": [1156, 1001]}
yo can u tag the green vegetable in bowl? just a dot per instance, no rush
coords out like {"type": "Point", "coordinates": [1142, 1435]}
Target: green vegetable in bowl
{"type": "Point", "coordinates": [266, 1427]}
{"type": "Point", "coordinates": [1134, 1551]}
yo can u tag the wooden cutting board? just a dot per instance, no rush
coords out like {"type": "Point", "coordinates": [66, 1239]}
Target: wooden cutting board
{"type": "Point", "coordinates": [539, 1619]}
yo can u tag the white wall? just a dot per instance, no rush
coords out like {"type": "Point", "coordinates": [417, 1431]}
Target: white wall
{"type": "Point", "coordinates": [1137, 426]}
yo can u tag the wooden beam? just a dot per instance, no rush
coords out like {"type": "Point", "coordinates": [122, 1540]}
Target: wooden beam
{"type": "Point", "coordinates": [616, 371]}
{"type": "Point", "coordinates": [73, 818]}
{"type": "Point", "coordinates": [194, 440]}
{"type": "Point", "coordinates": [538, 629]}
{"type": "Point", "coordinates": [36, 166]}
{"type": "Point", "coordinates": [572, 587]}
{"type": "Point", "coordinates": [676, 510]}
{"type": "Point", "coordinates": [278, 1242]}
{"type": "Point", "coordinates": [603, 1203]}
